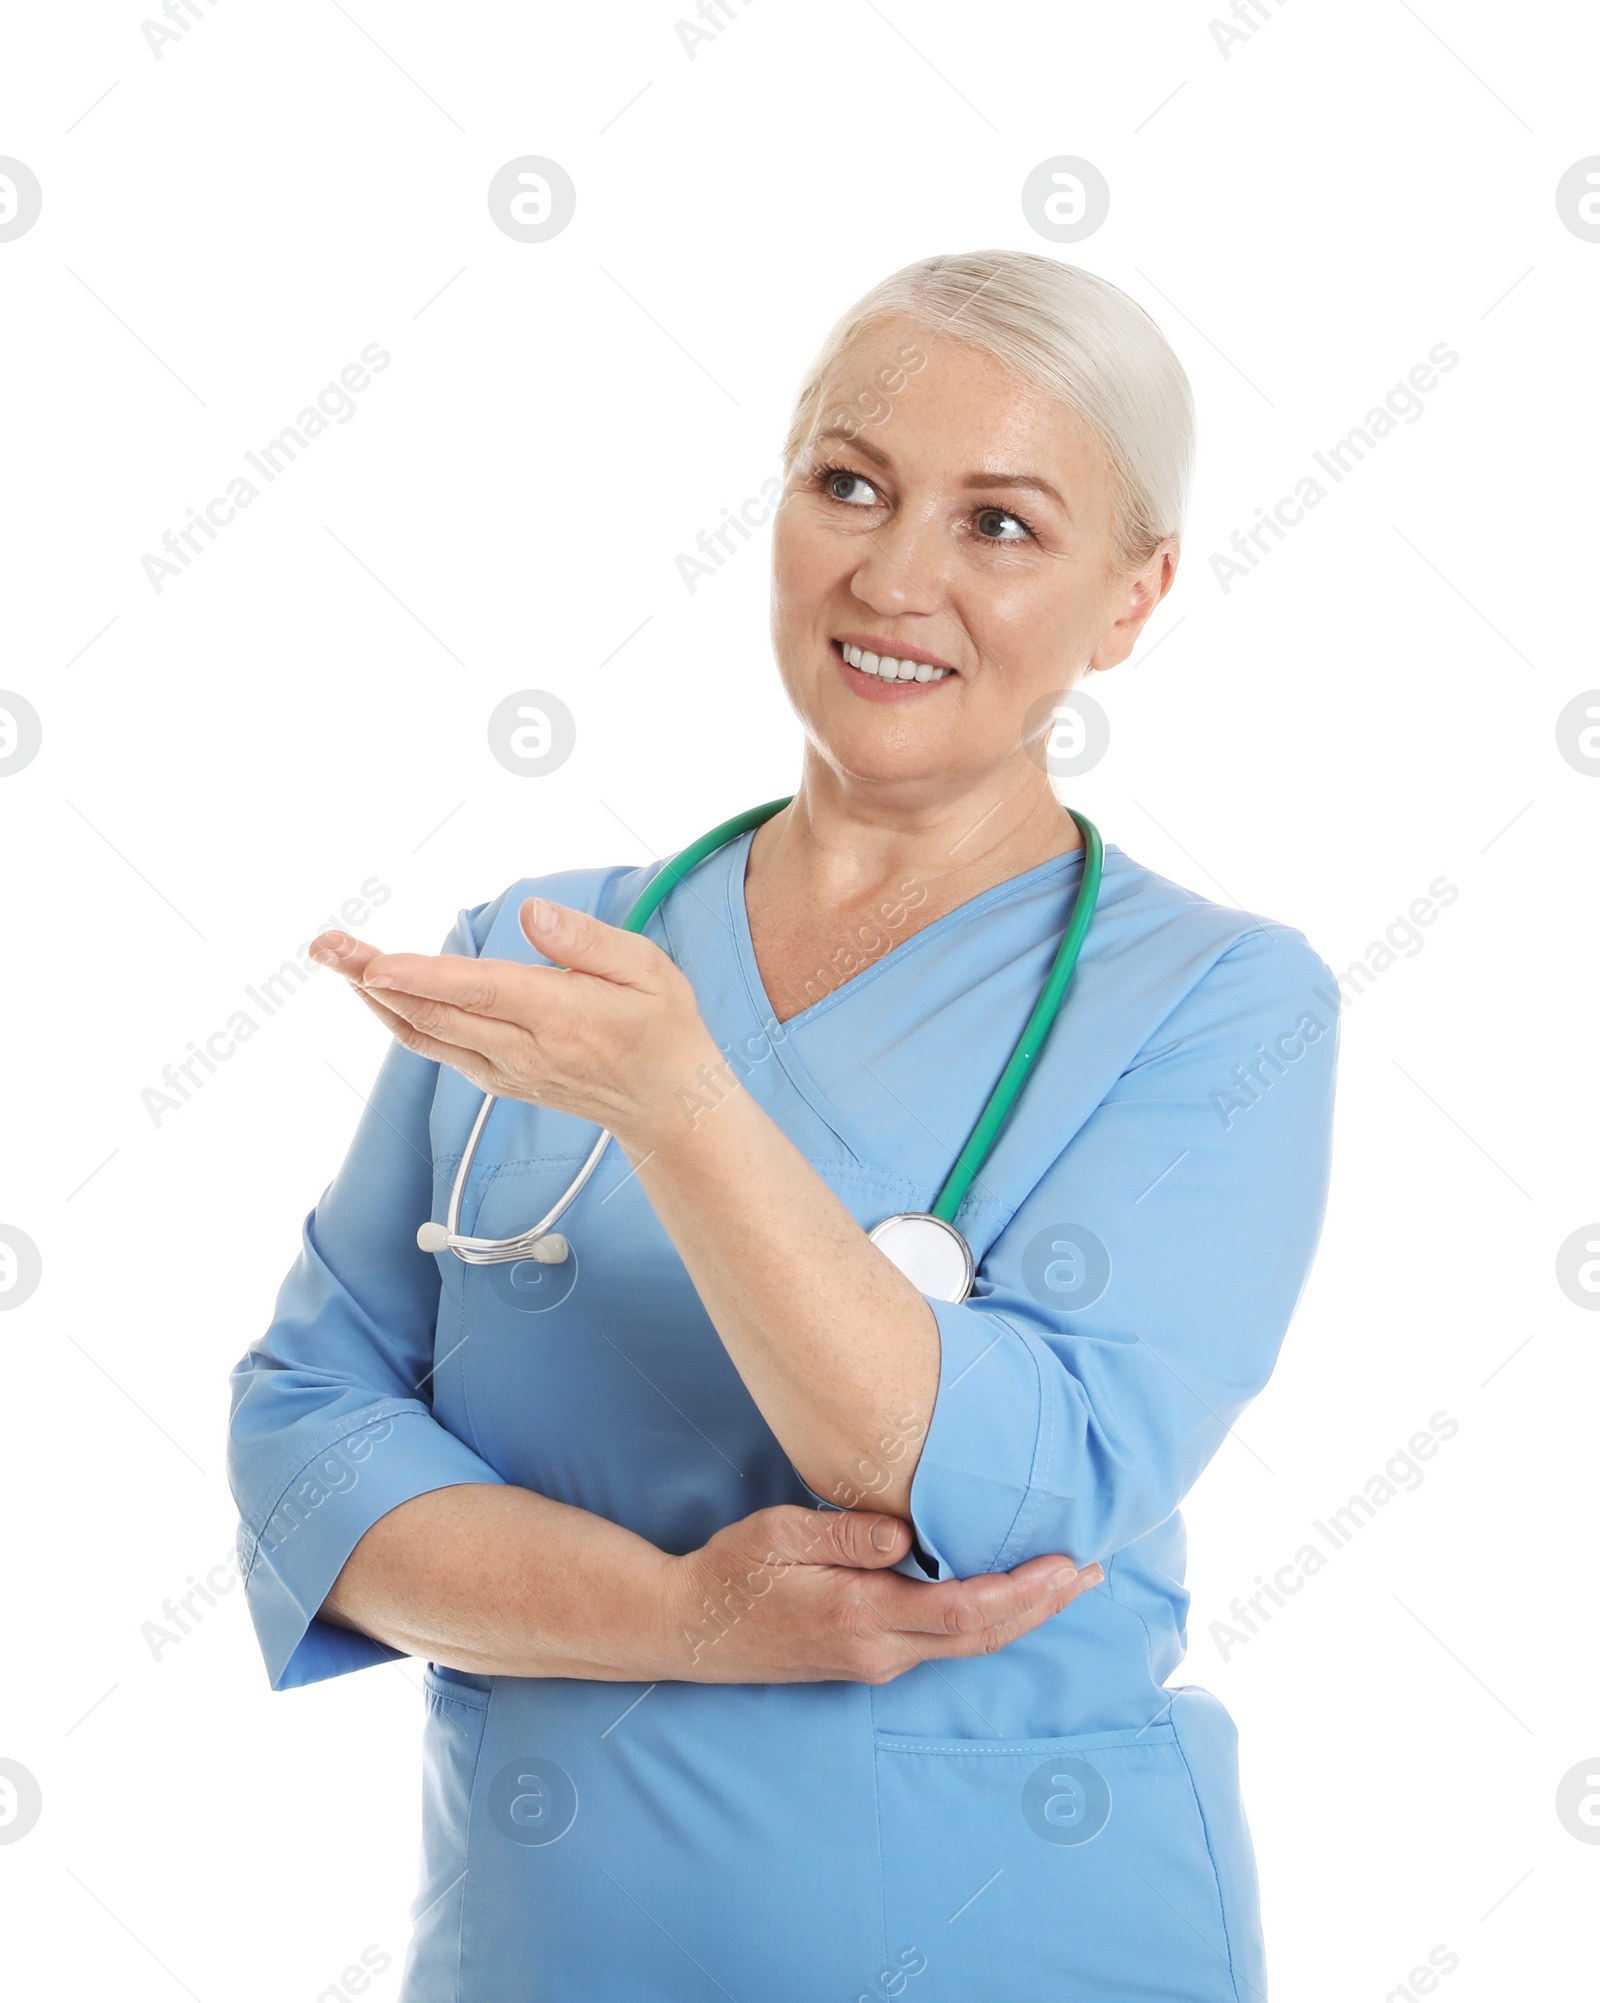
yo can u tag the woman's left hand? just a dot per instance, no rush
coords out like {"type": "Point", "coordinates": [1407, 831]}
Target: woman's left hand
{"type": "Point", "coordinates": [837, 1348]}
{"type": "Point", "coordinates": [611, 1033]}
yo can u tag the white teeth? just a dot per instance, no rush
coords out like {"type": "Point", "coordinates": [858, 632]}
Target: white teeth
{"type": "Point", "coordinates": [887, 669]}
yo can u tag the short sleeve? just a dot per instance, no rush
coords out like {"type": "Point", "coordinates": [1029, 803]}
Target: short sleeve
{"type": "Point", "coordinates": [1136, 1301]}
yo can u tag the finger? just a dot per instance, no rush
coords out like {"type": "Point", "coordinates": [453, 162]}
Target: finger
{"type": "Point", "coordinates": [472, 1065]}
{"type": "Point", "coordinates": [494, 989]}
{"type": "Point", "coordinates": [391, 1022]}
{"type": "Point", "coordinates": [344, 954]}
{"type": "Point", "coordinates": [396, 1025]}
{"type": "Point", "coordinates": [990, 1640]}
{"type": "Point", "coordinates": [441, 976]}
{"type": "Point", "coordinates": [958, 1608]}
{"type": "Point", "coordinates": [446, 1027]}
{"type": "Point", "coordinates": [587, 945]}
{"type": "Point", "coordinates": [789, 1534]}
{"type": "Point", "coordinates": [860, 1538]}
{"type": "Point", "coordinates": [352, 957]}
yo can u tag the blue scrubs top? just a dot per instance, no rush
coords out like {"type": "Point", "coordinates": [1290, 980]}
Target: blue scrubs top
{"type": "Point", "coordinates": [1054, 1820]}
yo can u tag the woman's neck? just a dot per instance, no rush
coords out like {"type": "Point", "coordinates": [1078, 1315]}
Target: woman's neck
{"type": "Point", "coordinates": [821, 874]}
{"type": "Point", "coordinates": [840, 841]}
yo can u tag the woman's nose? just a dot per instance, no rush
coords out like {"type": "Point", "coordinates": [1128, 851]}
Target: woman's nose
{"type": "Point", "coordinates": [902, 567]}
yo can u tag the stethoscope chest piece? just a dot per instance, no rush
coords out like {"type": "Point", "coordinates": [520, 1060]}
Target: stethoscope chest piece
{"type": "Point", "coordinates": [932, 1254]}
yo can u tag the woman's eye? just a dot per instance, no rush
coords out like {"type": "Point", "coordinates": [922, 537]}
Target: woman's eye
{"type": "Point", "coordinates": [838, 485]}
{"type": "Point", "coordinates": [995, 525]}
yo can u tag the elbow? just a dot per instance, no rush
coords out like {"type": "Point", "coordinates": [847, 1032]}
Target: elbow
{"type": "Point", "coordinates": [1088, 1513]}
{"type": "Point", "coordinates": [1090, 1528]}
{"type": "Point", "coordinates": [1110, 1497]}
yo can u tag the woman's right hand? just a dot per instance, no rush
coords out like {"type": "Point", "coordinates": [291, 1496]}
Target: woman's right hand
{"type": "Point", "coordinates": [500, 1581]}
{"type": "Point", "coordinates": [795, 1595]}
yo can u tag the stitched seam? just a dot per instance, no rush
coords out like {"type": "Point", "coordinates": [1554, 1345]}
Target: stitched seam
{"type": "Point", "coordinates": [1111, 1592]}
{"type": "Point", "coordinates": [786, 1052]}
{"type": "Point", "coordinates": [1030, 1493]}
{"type": "Point", "coordinates": [455, 1703]}
{"type": "Point", "coordinates": [568, 1158]}
{"type": "Point", "coordinates": [973, 907]}
{"type": "Point", "coordinates": [1044, 1449]}
{"type": "Point", "coordinates": [454, 1693]}
{"type": "Point", "coordinates": [466, 1846]}
{"type": "Point", "coordinates": [859, 1171]}
{"type": "Point", "coordinates": [877, 1816]}
{"type": "Point", "coordinates": [1141, 1740]}
{"type": "Point", "coordinates": [456, 1351]}
{"type": "Point", "coordinates": [341, 1431]}
{"type": "Point", "coordinates": [1258, 930]}
{"type": "Point", "coordinates": [1211, 1857]}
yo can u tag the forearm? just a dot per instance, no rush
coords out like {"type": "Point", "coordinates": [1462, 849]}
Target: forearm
{"type": "Point", "coordinates": [504, 1582]}
{"type": "Point", "coordinates": [835, 1345]}
{"type": "Point", "coordinates": [837, 1348]}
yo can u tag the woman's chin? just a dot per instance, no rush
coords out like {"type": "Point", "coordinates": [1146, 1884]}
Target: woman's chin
{"type": "Point", "coordinates": [865, 756]}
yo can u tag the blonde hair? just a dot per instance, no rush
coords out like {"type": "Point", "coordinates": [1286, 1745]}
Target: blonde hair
{"type": "Point", "coordinates": [1069, 334]}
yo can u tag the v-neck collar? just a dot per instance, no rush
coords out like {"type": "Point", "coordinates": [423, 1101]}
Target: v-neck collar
{"type": "Point", "coordinates": [1059, 866]}
{"type": "Point", "coordinates": [718, 919]}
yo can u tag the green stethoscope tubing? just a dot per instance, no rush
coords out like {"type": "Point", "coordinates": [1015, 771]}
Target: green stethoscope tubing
{"type": "Point", "coordinates": [541, 1243]}
{"type": "Point", "coordinates": [980, 1142]}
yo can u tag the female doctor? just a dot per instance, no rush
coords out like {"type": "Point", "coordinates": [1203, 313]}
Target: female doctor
{"type": "Point", "coordinates": [798, 1603]}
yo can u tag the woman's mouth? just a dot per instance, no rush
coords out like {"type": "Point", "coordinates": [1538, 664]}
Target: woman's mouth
{"type": "Point", "coordinates": [884, 677]}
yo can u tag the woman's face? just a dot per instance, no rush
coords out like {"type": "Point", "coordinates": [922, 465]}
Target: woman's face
{"type": "Point", "coordinates": [945, 514]}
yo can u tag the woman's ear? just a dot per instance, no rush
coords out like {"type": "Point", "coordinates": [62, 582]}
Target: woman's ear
{"type": "Point", "coordinates": [1136, 598]}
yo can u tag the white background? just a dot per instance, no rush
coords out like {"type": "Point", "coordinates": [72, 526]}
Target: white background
{"type": "Point", "coordinates": [225, 761]}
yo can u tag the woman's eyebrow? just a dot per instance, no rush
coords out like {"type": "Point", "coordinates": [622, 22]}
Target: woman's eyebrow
{"type": "Point", "coordinates": [1029, 480]}
{"type": "Point", "coordinates": [851, 435]}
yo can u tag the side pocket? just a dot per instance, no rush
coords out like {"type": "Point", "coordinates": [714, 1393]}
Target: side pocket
{"type": "Point", "coordinates": [1072, 1866]}
{"type": "Point", "coordinates": [452, 1738]}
